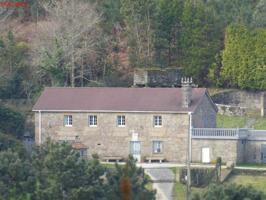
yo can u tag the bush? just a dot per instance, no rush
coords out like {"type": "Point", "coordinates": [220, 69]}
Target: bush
{"type": "Point", "coordinates": [7, 142]}
{"type": "Point", "coordinates": [11, 122]}
{"type": "Point", "coordinates": [199, 177]}
{"type": "Point", "coordinates": [229, 192]}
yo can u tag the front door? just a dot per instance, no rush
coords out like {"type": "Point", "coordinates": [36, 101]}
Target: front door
{"type": "Point", "coordinates": [205, 155]}
{"type": "Point", "coordinates": [263, 153]}
{"type": "Point", "coordinates": [135, 150]}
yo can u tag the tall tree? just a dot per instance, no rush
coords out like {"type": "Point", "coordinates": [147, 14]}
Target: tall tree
{"type": "Point", "coordinates": [259, 15]}
{"type": "Point", "coordinates": [243, 59]}
{"type": "Point", "coordinates": [198, 39]}
{"type": "Point", "coordinates": [168, 30]}
{"type": "Point", "coordinates": [139, 18]}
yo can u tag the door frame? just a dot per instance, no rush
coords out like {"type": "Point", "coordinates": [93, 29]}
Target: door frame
{"type": "Point", "coordinates": [136, 154]}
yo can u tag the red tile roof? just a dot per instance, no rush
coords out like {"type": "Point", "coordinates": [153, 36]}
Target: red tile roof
{"type": "Point", "coordinates": [108, 99]}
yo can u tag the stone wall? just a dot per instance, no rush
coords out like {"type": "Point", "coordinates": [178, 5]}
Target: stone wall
{"type": "Point", "coordinates": [109, 140]}
{"type": "Point", "coordinates": [253, 151]}
{"type": "Point", "coordinates": [156, 77]}
{"type": "Point", "coordinates": [228, 150]}
{"type": "Point", "coordinates": [263, 104]}
{"type": "Point", "coordinates": [232, 110]}
{"type": "Point", "coordinates": [251, 101]}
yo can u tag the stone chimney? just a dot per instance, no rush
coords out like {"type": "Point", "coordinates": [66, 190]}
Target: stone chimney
{"type": "Point", "coordinates": [186, 91]}
{"type": "Point", "coordinates": [140, 78]}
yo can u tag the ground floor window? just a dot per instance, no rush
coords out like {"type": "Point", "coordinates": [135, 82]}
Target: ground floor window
{"type": "Point", "coordinates": [157, 147]}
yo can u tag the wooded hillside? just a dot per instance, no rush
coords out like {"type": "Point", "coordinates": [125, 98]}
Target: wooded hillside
{"type": "Point", "coordinates": [92, 42]}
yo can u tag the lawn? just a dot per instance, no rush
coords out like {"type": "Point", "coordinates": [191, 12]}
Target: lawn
{"type": "Point", "coordinates": [260, 124]}
{"type": "Point", "coordinates": [180, 191]}
{"type": "Point", "coordinates": [224, 121]}
{"type": "Point", "coordinates": [258, 182]}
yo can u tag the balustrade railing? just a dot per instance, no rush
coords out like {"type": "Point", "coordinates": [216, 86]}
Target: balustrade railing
{"type": "Point", "coordinates": [219, 133]}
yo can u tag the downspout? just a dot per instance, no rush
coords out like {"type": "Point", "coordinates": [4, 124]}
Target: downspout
{"type": "Point", "coordinates": [190, 135]}
{"type": "Point", "coordinates": [40, 127]}
{"type": "Point", "coordinates": [188, 192]}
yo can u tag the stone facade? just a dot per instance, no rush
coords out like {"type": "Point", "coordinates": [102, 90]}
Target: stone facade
{"type": "Point", "coordinates": [107, 139]}
{"type": "Point", "coordinates": [254, 151]}
{"type": "Point", "coordinates": [205, 114]}
{"type": "Point", "coordinates": [228, 150]}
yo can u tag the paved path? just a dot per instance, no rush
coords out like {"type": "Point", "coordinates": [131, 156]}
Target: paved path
{"type": "Point", "coordinates": [163, 182]}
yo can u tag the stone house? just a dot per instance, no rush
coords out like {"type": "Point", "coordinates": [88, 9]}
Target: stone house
{"type": "Point", "coordinates": [152, 124]}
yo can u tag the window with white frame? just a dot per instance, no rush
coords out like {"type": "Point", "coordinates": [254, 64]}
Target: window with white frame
{"type": "Point", "coordinates": [68, 120]}
{"type": "Point", "coordinates": [93, 120]}
{"type": "Point", "coordinates": [157, 147]}
{"type": "Point", "coordinates": [157, 121]}
{"type": "Point", "coordinates": [121, 120]}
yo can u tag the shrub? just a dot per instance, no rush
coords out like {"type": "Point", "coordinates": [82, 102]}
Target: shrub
{"type": "Point", "coordinates": [200, 177]}
{"type": "Point", "coordinates": [11, 122]}
{"type": "Point", "coordinates": [229, 192]}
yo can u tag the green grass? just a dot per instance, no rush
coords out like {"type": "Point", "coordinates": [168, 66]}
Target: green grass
{"type": "Point", "coordinates": [258, 182]}
{"type": "Point", "coordinates": [260, 124]}
{"type": "Point", "coordinates": [180, 191]}
{"type": "Point", "coordinates": [224, 121]}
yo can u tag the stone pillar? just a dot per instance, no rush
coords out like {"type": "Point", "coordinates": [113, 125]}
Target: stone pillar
{"type": "Point", "coordinates": [263, 104]}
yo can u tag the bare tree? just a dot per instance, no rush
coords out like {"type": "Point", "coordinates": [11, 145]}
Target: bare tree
{"type": "Point", "coordinates": [73, 26]}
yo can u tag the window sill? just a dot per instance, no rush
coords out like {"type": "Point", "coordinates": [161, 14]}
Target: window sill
{"type": "Point", "coordinates": [93, 126]}
{"type": "Point", "coordinates": [158, 126]}
{"type": "Point", "coordinates": [157, 153]}
{"type": "Point", "coordinates": [68, 125]}
{"type": "Point", "coordinates": [121, 126]}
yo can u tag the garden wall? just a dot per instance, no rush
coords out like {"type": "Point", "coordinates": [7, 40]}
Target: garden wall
{"type": "Point", "coordinates": [239, 102]}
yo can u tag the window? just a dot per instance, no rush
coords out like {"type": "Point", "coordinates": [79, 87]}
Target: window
{"type": "Point", "coordinates": [83, 153]}
{"type": "Point", "coordinates": [68, 120]}
{"type": "Point", "coordinates": [157, 146]}
{"type": "Point", "coordinates": [121, 120]}
{"type": "Point", "coordinates": [157, 121]}
{"type": "Point", "coordinates": [92, 120]}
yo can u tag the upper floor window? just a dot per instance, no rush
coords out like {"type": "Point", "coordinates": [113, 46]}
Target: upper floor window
{"type": "Point", "coordinates": [157, 146]}
{"type": "Point", "coordinates": [157, 121]}
{"type": "Point", "coordinates": [68, 120]}
{"type": "Point", "coordinates": [121, 120]}
{"type": "Point", "coordinates": [93, 120]}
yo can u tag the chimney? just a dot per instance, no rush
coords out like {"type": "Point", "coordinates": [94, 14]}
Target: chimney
{"type": "Point", "coordinates": [186, 91]}
{"type": "Point", "coordinates": [140, 77]}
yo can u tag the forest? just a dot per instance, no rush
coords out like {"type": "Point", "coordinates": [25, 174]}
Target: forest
{"type": "Point", "coordinates": [78, 43]}
{"type": "Point", "coordinates": [220, 43]}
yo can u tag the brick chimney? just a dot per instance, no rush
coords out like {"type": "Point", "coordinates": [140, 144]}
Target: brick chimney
{"type": "Point", "coordinates": [186, 91]}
